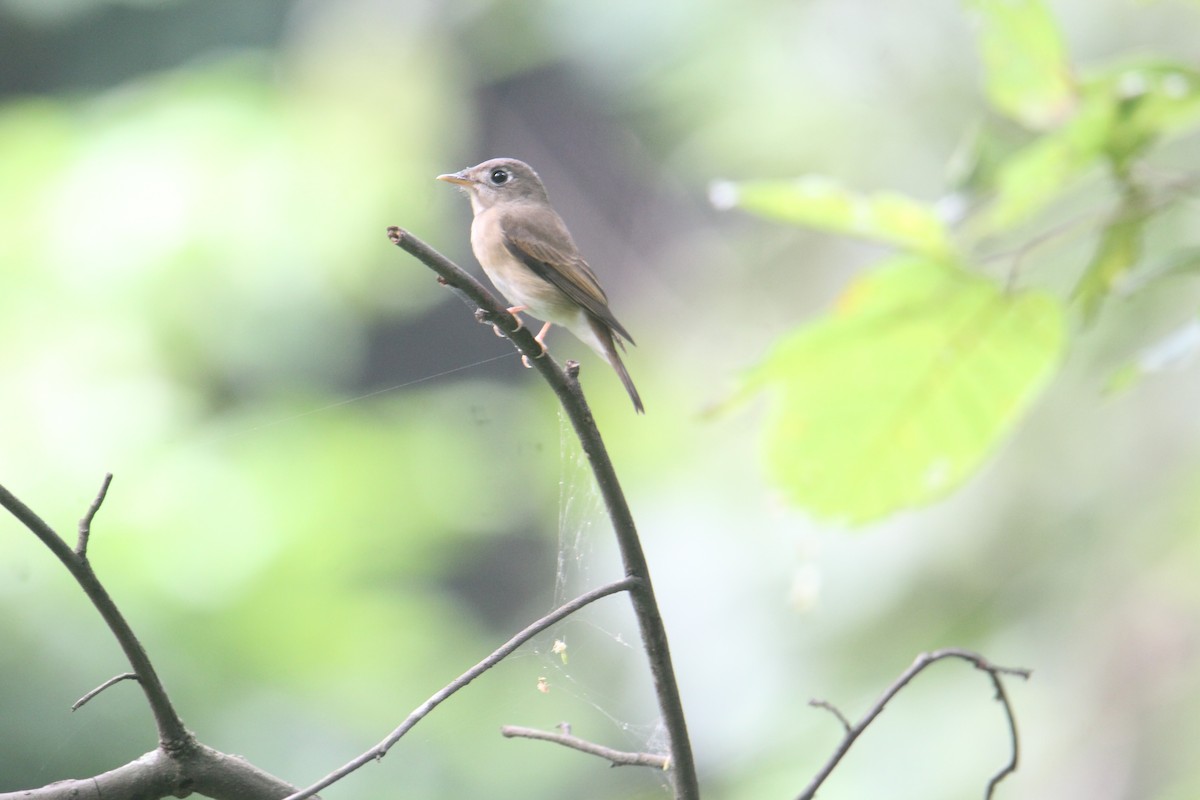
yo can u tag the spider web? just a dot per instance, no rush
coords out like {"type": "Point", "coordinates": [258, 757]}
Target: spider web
{"type": "Point", "coordinates": [602, 637]}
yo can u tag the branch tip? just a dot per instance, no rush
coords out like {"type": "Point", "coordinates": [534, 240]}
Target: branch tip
{"type": "Point", "coordinates": [919, 664]}
{"type": "Point", "coordinates": [85, 524]}
{"type": "Point", "coordinates": [615, 758]}
{"type": "Point", "coordinates": [124, 676]}
{"type": "Point", "coordinates": [832, 709]}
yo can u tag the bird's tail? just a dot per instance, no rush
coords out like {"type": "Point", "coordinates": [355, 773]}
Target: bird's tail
{"type": "Point", "coordinates": [605, 336]}
{"type": "Point", "coordinates": [623, 374]}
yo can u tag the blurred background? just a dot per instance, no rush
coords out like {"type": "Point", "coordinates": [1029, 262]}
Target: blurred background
{"type": "Point", "coordinates": [334, 491]}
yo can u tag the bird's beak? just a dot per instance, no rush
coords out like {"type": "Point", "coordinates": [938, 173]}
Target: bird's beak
{"type": "Point", "coordinates": [459, 177]}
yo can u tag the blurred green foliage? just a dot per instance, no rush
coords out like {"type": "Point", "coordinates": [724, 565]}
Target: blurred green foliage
{"type": "Point", "coordinates": [1028, 74]}
{"type": "Point", "coordinates": [892, 405]}
{"type": "Point", "coordinates": [822, 203]}
{"type": "Point", "coordinates": [334, 491]}
{"type": "Point", "coordinates": [952, 357]}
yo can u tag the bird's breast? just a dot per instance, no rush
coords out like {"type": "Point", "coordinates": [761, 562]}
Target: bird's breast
{"type": "Point", "coordinates": [515, 280]}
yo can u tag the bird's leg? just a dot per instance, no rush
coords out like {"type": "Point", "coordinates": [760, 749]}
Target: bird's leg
{"type": "Point", "coordinates": [515, 311]}
{"type": "Point", "coordinates": [541, 340]}
{"type": "Point", "coordinates": [541, 337]}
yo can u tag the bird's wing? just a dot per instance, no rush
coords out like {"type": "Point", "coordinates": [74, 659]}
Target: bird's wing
{"type": "Point", "coordinates": [553, 257]}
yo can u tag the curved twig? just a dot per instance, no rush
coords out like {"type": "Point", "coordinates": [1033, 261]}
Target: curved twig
{"type": "Point", "coordinates": [837, 712]}
{"type": "Point", "coordinates": [180, 765]}
{"type": "Point", "coordinates": [617, 758]}
{"type": "Point", "coordinates": [172, 733]}
{"type": "Point", "coordinates": [922, 661]}
{"type": "Point", "coordinates": [1002, 697]}
{"type": "Point", "coordinates": [85, 524]}
{"type": "Point", "coordinates": [566, 385]}
{"type": "Point", "coordinates": [124, 676]}
{"type": "Point", "coordinates": [499, 654]}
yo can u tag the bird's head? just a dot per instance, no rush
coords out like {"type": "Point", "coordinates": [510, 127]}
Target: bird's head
{"type": "Point", "coordinates": [498, 179]}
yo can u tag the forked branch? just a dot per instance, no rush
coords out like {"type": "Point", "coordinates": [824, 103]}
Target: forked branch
{"type": "Point", "coordinates": [852, 732]}
{"type": "Point", "coordinates": [566, 386]}
{"type": "Point", "coordinates": [180, 765]}
{"type": "Point", "coordinates": [499, 654]}
{"type": "Point", "coordinates": [171, 731]}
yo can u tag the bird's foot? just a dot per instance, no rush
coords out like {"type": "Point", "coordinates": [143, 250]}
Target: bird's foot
{"type": "Point", "coordinates": [541, 340]}
{"type": "Point", "coordinates": [516, 312]}
{"type": "Point", "coordinates": [525, 359]}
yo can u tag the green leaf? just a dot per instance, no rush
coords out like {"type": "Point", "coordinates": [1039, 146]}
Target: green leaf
{"type": "Point", "coordinates": [1031, 178]}
{"type": "Point", "coordinates": [1118, 252]}
{"type": "Point", "coordinates": [1027, 72]}
{"type": "Point", "coordinates": [1152, 99]}
{"type": "Point", "coordinates": [897, 399]}
{"type": "Point", "coordinates": [1120, 114]}
{"type": "Point", "coordinates": [824, 204]}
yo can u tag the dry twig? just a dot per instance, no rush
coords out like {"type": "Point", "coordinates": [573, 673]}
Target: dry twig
{"type": "Point", "coordinates": [924, 660]}
{"type": "Point", "coordinates": [618, 758]}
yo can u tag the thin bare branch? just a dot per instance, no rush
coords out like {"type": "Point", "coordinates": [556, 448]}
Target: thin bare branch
{"type": "Point", "coordinates": [499, 654]}
{"type": "Point", "coordinates": [180, 765]}
{"type": "Point", "coordinates": [1002, 696]}
{"type": "Point", "coordinates": [832, 709]}
{"type": "Point", "coordinates": [85, 524]}
{"type": "Point", "coordinates": [124, 676]}
{"type": "Point", "coordinates": [487, 308]}
{"type": "Point", "coordinates": [172, 733]}
{"type": "Point", "coordinates": [566, 386]}
{"type": "Point", "coordinates": [618, 758]}
{"type": "Point", "coordinates": [920, 664]}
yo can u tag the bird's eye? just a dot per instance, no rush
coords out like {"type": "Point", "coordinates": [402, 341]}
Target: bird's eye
{"type": "Point", "coordinates": [499, 176]}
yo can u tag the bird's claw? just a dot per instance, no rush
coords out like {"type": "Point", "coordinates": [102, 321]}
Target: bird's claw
{"type": "Point", "coordinates": [515, 311]}
{"type": "Point", "coordinates": [516, 314]}
{"type": "Point", "coordinates": [525, 359]}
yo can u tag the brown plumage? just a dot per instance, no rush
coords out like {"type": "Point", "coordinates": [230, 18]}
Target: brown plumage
{"type": "Point", "coordinates": [528, 253]}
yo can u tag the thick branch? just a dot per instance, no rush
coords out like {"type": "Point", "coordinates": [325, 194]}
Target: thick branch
{"type": "Point", "coordinates": [201, 770]}
{"type": "Point", "coordinates": [171, 731]}
{"type": "Point", "coordinates": [924, 660]}
{"type": "Point", "coordinates": [499, 654]}
{"type": "Point", "coordinates": [152, 775]}
{"type": "Point", "coordinates": [566, 386]}
{"type": "Point", "coordinates": [222, 776]}
{"type": "Point", "coordinates": [618, 758]}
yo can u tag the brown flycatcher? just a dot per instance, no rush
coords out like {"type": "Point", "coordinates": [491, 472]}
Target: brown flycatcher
{"type": "Point", "coordinates": [527, 252]}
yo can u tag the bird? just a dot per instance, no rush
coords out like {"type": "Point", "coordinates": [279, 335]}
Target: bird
{"type": "Point", "coordinates": [528, 254]}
